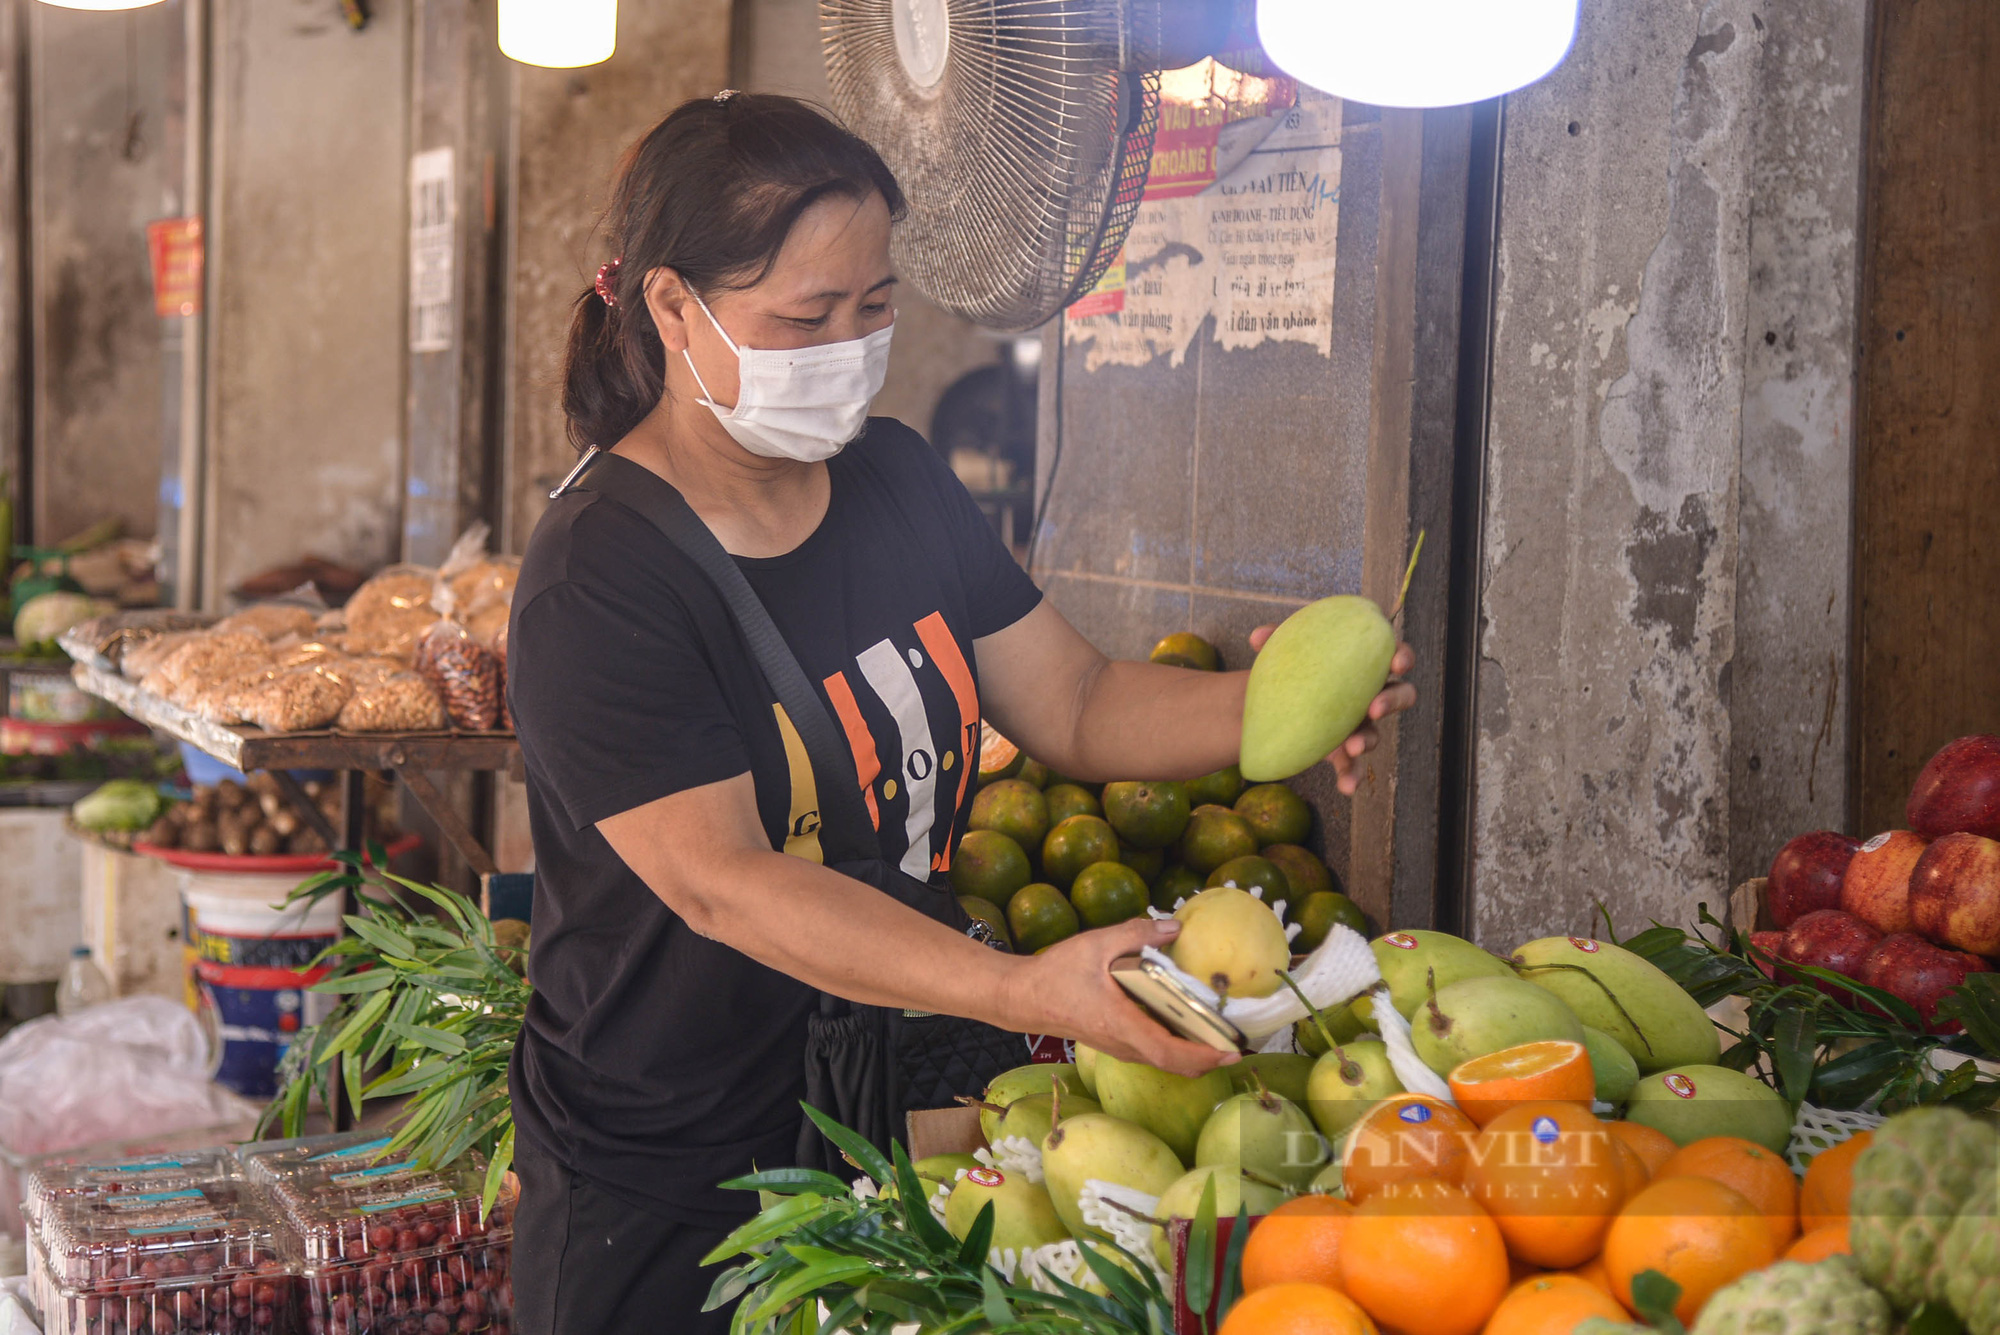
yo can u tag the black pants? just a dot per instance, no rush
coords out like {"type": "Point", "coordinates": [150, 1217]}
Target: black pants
{"type": "Point", "coordinates": [587, 1263]}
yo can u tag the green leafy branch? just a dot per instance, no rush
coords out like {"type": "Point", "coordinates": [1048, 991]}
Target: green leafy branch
{"type": "Point", "coordinates": [430, 1004]}
{"type": "Point", "coordinates": [1812, 1047]}
{"type": "Point", "coordinates": [880, 1262]}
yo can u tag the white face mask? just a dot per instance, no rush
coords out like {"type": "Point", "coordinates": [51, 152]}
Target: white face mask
{"type": "Point", "coordinates": [799, 403]}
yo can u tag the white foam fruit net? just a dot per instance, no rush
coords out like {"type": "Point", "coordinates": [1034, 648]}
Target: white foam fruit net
{"type": "Point", "coordinates": [1818, 1130]}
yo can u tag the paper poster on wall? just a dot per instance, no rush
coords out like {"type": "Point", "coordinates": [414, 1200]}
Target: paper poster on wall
{"type": "Point", "coordinates": [433, 212]}
{"type": "Point", "coordinates": [1255, 250]}
{"type": "Point", "coordinates": [175, 248]}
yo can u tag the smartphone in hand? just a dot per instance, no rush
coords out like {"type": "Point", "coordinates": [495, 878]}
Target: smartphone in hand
{"type": "Point", "coordinates": [1169, 1001]}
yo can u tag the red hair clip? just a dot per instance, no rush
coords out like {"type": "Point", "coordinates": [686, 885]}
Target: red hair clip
{"type": "Point", "coordinates": [605, 273]}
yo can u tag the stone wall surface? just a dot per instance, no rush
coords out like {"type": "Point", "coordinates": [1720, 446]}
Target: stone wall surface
{"type": "Point", "coordinates": [307, 237]}
{"type": "Point", "coordinates": [97, 174]}
{"type": "Point", "coordinates": [570, 126]}
{"type": "Point", "coordinates": [1664, 623]}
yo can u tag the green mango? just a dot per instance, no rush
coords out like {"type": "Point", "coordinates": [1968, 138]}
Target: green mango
{"type": "Point", "coordinates": [1628, 997]}
{"type": "Point", "coordinates": [1110, 1149]}
{"type": "Point", "coordinates": [1408, 959]}
{"type": "Point", "coordinates": [1024, 1217]}
{"type": "Point", "coordinates": [1482, 1015]}
{"type": "Point", "coordinates": [1271, 1139]}
{"type": "Point", "coordinates": [1032, 1116]}
{"type": "Point", "coordinates": [1311, 684]}
{"type": "Point", "coordinates": [1283, 1073]}
{"type": "Point", "coordinates": [1020, 1082]}
{"type": "Point", "coordinates": [1347, 1082]}
{"type": "Point", "coordinates": [1172, 1107]}
{"type": "Point", "coordinates": [1182, 1199]}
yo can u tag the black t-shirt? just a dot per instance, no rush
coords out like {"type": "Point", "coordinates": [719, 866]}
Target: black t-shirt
{"type": "Point", "coordinates": [654, 1061]}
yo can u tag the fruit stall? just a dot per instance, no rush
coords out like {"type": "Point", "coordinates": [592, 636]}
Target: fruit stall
{"type": "Point", "coordinates": [1712, 1127]}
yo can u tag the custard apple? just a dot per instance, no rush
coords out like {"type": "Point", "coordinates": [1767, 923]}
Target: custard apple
{"type": "Point", "coordinates": [1908, 1188]}
{"type": "Point", "coordinates": [1969, 1258]}
{"type": "Point", "coordinates": [1825, 1298]}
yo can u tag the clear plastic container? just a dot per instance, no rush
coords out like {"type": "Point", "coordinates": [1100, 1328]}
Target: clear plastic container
{"type": "Point", "coordinates": [203, 1261]}
{"type": "Point", "coordinates": [270, 1161]}
{"type": "Point", "coordinates": [53, 1185]}
{"type": "Point", "coordinates": [388, 1247]}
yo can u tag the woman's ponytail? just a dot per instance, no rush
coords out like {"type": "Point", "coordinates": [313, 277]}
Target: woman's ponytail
{"type": "Point", "coordinates": [711, 192]}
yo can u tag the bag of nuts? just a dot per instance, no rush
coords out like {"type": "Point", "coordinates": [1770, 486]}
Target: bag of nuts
{"type": "Point", "coordinates": [393, 702]}
{"type": "Point", "coordinates": [298, 699]}
{"type": "Point", "coordinates": [272, 621]}
{"type": "Point", "coordinates": [465, 674]}
{"type": "Point", "coordinates": [388, 613]}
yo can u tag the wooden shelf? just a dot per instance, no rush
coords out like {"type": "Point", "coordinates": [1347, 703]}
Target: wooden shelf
{"type": "Point", "coordinates": [253, 749]}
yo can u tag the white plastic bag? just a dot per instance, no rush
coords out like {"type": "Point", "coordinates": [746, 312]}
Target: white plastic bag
{"type": "Point", "coordinates": [137, 1066]}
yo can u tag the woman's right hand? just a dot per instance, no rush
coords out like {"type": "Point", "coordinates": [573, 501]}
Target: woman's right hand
{"type": "Point", "coordinates": [1068, 990]}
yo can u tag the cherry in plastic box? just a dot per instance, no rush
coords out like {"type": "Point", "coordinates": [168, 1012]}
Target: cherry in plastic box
{"type": "Point", "coordinates": [50, 1186]}
{"type": "Point", "coordinates": [393, 1250]}
{"type": "Point", "coordinates": [267, 1162]}
{"type": "Point", "coordinates": [205, 1260]}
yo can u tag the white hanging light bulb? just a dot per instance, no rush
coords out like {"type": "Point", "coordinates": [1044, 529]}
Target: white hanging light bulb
{"type": "Point", "coordinates": [102, 4]}
{"type": "Point", "coordinates": [1417, 53]}
{"type": "Point", "coordinates": [560, 34]}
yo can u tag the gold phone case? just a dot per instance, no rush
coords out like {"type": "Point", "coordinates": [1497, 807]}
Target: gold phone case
{"type": "Point", "coordinates": [1167, 1000]}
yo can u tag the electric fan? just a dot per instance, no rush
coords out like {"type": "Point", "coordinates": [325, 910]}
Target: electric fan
{"type": "Point", "coordinates": [1021, 132]}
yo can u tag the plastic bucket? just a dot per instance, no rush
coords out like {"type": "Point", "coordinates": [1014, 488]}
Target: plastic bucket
{"type": "Point", "coordinates": [252, 958]}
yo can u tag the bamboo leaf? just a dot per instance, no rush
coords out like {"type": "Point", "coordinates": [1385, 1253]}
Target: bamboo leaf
{"type": "Point", "coordinates": [775, 1222]}
{"type": "Point", "coordinates": [788, 1182]}
{"type": "Point", "coordinates": [351, 1033]}
{"type": "Point", "coordinates": [910, 1198]}
{"type": "Point", "coordinates": [370, 980]}
{"type": "Point", "coordinates": [1231, 1283]}
{"type": "Point", "coordinates": [992, 1301]}
{"type": "Point", "coordinates": [1795, 1048]}
{"type": "Point", "coordinates": [808, 1281]}
{"type": "Point", "coordinates": [1199, 1273]}
{"type": "Point", "coordinates": [438, 1040]}
{"type": "Point", "coordinates": [497, 1165]}
{"type": "Point", "coordinates": [865, 1156]}
{"type": "Point", "coordinates": [381, 936]}
{"type": "Point", "coordinates": [978, 1238]}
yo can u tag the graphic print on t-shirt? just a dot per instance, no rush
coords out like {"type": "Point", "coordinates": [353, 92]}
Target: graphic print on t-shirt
{"type": "Point", "coordinates": [911, 715]}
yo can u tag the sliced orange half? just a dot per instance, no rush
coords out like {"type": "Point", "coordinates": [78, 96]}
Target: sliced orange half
{"type": "Point", "coordinates": [1554, 1069]}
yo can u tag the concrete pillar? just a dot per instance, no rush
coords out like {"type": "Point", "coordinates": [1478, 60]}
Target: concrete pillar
{"type": "Point", "coordinates": [307, 232]}
{"type": "Point", "coordinates": [100, 167]}
{"type": "Point", "coordinates": [1666, 486]}
{"type": "Point", "coordinates": [570, 126]}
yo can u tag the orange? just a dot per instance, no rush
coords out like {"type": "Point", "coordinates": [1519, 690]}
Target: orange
{"type": "Point", "coordinates": [1297, 1309]}
{"type": "Point", "coordinates": [1592, 1272]}
{"type": "Point", "coordinates": [1297, 1242]}
{"type": "Point", "coordinates": [1695, 1231]}
{"type": "Point", "coordinates": [1764, 1179]}
{"type": "Point", "coordinates": [1557, 1069]}
{"type": "Point", "coordinates": [1429, 1263]}
{"type": "Point", "coordinates": [1829, 1182]}
{"type": "Point", "coordinates": [1551, 1303]}
{"type": "Point", "coordinates": [1401, 1139]}
{"type": "Point", "coordinates": [1653, 1147]}
{"type": "Point", "coordinates": [1821, 1243]}
{"type": "Point", "coordinates": [1550, 1176]}
{"type": "Point", "coordinates": [1632, 1166]}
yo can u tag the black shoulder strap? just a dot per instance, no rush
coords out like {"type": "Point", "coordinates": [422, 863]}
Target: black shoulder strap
{"type": "Point", "coordinates": [846, 832]}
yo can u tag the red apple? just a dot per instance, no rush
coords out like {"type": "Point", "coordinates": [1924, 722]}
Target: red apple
{"type": "Point", "coordinates": [1955, 893]}
{"type": "Point", "coordinates": [1833, 940]}
{"type": "Point", "coordinates": [1772, 946]}
{"type": "Point", "coordinates": [1876, 885]}
{"type": "Point", "coordinates": [1912, 969]}
{"type": "Point", "coordinates": [1805, 876]}
{"type": "Point", "coordinates": [1958, 790]}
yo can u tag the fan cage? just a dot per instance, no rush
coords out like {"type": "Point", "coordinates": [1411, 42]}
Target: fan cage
{"type": "Point", "coordinates": [1026, 162]}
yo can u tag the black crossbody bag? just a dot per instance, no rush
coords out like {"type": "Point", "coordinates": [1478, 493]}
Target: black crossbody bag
{"type": "Point", "coordinates": [866, 1066]}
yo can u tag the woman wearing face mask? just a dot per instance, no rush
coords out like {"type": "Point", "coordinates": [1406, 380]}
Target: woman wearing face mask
{"type": "Point", "coordinates": [686, 926]}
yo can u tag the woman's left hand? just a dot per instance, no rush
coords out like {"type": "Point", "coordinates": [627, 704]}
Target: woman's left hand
{"type": "Point", "coordinates": [1396, 697]}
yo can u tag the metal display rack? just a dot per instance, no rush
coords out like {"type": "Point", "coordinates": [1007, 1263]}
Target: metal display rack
{"type": "Point", "coordinates": [411, 757]}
